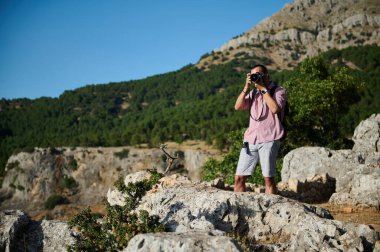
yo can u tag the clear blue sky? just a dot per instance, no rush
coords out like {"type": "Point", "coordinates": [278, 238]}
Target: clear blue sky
{"type": "Point", "coordinates": [49, 46]}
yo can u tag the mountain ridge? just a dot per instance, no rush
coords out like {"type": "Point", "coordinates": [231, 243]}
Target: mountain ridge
{"type": "Point", "coordinates": [303, 29]}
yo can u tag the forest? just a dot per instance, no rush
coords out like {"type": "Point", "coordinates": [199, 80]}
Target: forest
{"type": "Point", "coordinates": [326, 102]}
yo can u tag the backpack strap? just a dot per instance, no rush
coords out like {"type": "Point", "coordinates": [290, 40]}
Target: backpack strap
{"type": "Point", "coordinates": [251, 98]}
{"type": "Point", "coordinates": [273, 89]}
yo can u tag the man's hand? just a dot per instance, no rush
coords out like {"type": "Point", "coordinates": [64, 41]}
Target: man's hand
{"type": "Point", "coordinates": [260, 87]}
{"type": "Point", "coordinates": [248, 82]}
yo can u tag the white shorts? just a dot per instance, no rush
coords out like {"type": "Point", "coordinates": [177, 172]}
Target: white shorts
{"type": "Point", "coordinates": [250, 154]}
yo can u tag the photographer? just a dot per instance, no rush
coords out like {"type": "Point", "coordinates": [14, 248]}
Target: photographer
{"type": "Point", "coordinates": [266, 104]}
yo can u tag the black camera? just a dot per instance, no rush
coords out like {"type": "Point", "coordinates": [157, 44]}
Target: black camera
{"type": "Point", "coordinates": [256, 77]}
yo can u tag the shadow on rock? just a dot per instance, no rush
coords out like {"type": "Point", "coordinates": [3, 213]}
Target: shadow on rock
{"type": "Point", "coordinates": [317, 189]}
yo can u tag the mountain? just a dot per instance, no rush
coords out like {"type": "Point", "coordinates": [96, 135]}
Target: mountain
{"type": "Point", "coordinates": [303, 29]}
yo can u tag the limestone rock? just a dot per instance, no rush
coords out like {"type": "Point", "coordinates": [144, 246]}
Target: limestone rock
{"type": "Point", "coordinates": [303, 29]}
{"type": "Point", "coordinates": [306, 162]}
{"type": "Point", "coordinates": [367, 135]}
{"type": "Point", "coordinates": [12, 221]}
{"type": "Point", "coordinates": [318, 188]}
{"type": "Point", "coordinates": [32, 177]}
{"type": "Point", "coordinates": [115, 197]}
{"type": "Point", "coordinates": [364, 188]}
{"type": "Point", "coordinates": [356, 171]}
{"type": "Point", "coordinates": [194, 241]}
{"type": "Point", "coordinates": [136, 176]}
{"type": "Point", "coordinates": [19, 233]}
{"type": "Point", "coordinates": [263, 219]}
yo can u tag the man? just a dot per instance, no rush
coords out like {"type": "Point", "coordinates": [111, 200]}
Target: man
{"type": "Point", "coordinates": [262, 138]}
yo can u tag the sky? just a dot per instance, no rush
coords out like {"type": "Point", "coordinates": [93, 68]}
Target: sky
{"type": "Point", "coordinates": [49, 46]}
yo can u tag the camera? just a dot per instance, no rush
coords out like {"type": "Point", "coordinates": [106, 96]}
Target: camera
{"type": "Point", "coordinates": [256, 77]}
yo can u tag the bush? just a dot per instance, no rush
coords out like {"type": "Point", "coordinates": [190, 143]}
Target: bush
{"type": "Point", "coordinates": [180, 154]}
{"type": "Point", "coordinates": [54, 200]}
{"type": "Point", "coordinates": [226, 168]}
{"type": "Point", "coordinates": [119, 224]}
{"type": "Point", "coordinates": [28, 149]}
{"type": "Point", "coordinates": [69, 182]}
{"type": "Point", "coordinates": [73, 164]}
{"type": "Point", "coordinates": [122, 154]}
{"type": "Point", "coordinates": [20, 188]}
{"type": "Point", "coordinates": [13, 165]}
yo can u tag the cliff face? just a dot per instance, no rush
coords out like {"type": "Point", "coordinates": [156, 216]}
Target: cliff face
{"type": "Point", "coordinates": [83, 175]}
{"type": "Point", "coordinates": [303, 29]}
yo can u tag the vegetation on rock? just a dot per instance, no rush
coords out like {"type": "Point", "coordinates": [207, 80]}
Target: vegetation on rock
{"type": "Point", "coordinates": [120, 224]}
{"type": "Point", "coordinates": [55, 200]}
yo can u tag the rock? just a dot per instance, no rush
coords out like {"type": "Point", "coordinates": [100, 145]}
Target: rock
{"type": "Point", "coordinates": [19, 233]}
{"type": "Point", "coordinates": [205, 218]}
{"type": "Point", "coordinates": [306, 162]}
{"type": "Point", "coordinates": [315, 28]}
{"type": "Point", "coordinates": [293, 185]}
{"type": "Point", "coordinates": [363, 189]}
{"type": "Point", "coordinates": [377, 247]}
{"type": "Point", "coordinates": [356, 172]}
{"type": "Point", "coordinates": [32, 177]}
{"type": "Point", "coordinates": [193, 241]}
{"type": "Point", "coordinates": [367, 135]}
{"type": "Point", "coordinates": [259, 189]}
{"type": "Point", "coordinates": [12, 221]}
{"type": "Point", "coordinates": [115, 197]}
{"type": "Point", "coordinates": [264, 219]}
{"type": "Point", "coordinates": [136, 177]}
{"type": "Point", "coordinates": [218, 183]}
{"type": "Point", "coordinates": [314, 189]}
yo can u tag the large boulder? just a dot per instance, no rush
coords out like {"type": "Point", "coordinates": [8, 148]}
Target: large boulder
{"type": "Point", "coordinates": [367, 135]}
{"type": "Point", "coordinates": [356, 171]}
{"type": "Point", "coordinates": [19, 233]}
{"type": "Point", "coordinates": [266, 221]}
{"type": "Point", "coordinates": [193, 241]}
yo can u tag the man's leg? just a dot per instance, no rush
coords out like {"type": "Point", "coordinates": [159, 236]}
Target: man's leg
{"type": "Point", "coordinates": [240, 183]}
{"type": "Point", "coordinates": [246, 165]}
{"type": "Point", "coordinates": [268, 154]}
{"type": "Point", "coordinates": [270, 185]}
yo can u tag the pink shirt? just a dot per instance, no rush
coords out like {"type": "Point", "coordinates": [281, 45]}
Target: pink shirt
{"type": "Point", "coordinates": [264, 126]}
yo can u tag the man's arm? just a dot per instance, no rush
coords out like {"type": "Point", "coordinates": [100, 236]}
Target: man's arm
{"type": "Point", "coordinates": [240, 103]}
{"type": "Point", "coordinates": [272, 104]}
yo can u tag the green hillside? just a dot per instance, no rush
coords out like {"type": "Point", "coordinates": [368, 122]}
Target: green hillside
{"type": "Point", "coordinates": [186, 104]}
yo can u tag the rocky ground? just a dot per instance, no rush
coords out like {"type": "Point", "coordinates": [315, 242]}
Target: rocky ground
{"type": "Point", "coordinates": [347, 213]}
{"type": "Point", "coordinates": [201, 216]}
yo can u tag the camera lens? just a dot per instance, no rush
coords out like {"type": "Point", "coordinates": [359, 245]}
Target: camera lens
{"type": "Point", "coordinates": [255, 77]}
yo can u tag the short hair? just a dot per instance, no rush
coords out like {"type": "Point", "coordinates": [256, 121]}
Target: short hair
{"type": "Point", "coordinates": [265, 70]}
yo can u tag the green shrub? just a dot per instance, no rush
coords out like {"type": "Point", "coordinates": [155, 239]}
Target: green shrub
{"type": "Point", "coordinates": [119, 224]}
{"type": "Point", "coordinates": [73, 164]}
{"type": "Point", "coordinates": [12, 165]}
{"type": "Point", "coordinates": [28, 149]}
{"type": "Point", "coordinates": [122, 154]}
{"type": "Point", "coordinates": [226, 168]}
{"type": "Point", "coordinates": [54, 200]}
{"type": "Point", "coordinates": [180, 154]}
{"type": "Point", "coordinates": [69, 182]}
{"type": "Point", "coordinates": [20, 187]}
